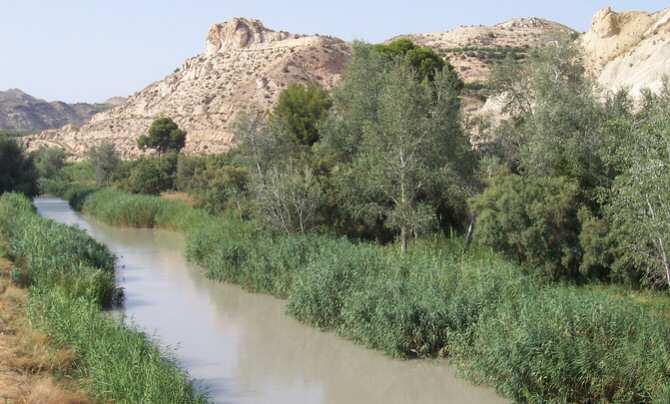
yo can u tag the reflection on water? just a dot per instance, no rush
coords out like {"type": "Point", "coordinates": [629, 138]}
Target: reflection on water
{"type": "Point", "coordinates": [241, 347]}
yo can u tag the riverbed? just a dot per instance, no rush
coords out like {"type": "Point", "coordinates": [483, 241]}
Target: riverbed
{"type": "Point", "coordinates": [243, 348]}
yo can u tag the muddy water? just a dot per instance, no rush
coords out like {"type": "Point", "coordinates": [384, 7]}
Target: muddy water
{"type": "Point", "coordinates": [243, 348]}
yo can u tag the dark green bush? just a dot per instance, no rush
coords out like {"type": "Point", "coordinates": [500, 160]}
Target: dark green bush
{"type": "Point", "coordinates": [533, 220]}
{"type": "Point", "coordinates": [17, 170]}
{"type": "Point", "coordinates": [151, 175]}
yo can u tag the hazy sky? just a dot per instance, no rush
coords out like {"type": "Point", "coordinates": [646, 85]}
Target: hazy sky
{"type": "Point", "coordinates": [90, 50]}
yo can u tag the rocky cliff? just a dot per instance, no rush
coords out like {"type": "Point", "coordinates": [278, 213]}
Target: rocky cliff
{"type": "Point", "coordinates": [244, 65]}
{"type": "Point", "coordinates": [20, 112]}
{"type": "Point", "coordinates": [628, 50]}
{"type": "Point", "coordinates": [473, 50]}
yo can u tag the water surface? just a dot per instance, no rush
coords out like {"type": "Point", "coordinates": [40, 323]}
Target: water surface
{"type": "Point", "coordinates": [242, 347]}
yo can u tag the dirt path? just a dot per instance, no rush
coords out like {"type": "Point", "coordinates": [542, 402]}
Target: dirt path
{"type": "Point", "coordinates": [30, 370]}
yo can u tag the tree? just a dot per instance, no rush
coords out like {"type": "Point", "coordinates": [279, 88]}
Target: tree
{"type": "Point", "coordinates": [164, 135]}
{"type": "Point", "coordinates": [49, 161]}
{"type": "Point", "coordinates": [17, 171]}
{"type": "Point", "coordinates": [105, 160]}
{"type": "Point", "coordinates": [300, 109]}
{"type": "Point", "coordinates": [557, 122]}
{"type": "Point", "coordinates": [423, 60]}
{"type": "Point", "coordinates": [414, 143]}
{"type": "Point", "coordinates": [532, 219]}
{"type": "Point", "coordinates": [151, 175]}
{"type": "Point", "coordinates": [639, 208]}
{"type": "Point", "coordinates": [289, 199]}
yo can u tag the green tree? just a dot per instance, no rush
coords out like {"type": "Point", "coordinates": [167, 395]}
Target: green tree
{"type": "Point", "coordinates": [639, 208]}
{"type": "Point", "coordinates": [425, 62]}
{"type": "Point", "coordinates": [415, 143]}
{"type": "Point", "coordinates": [17, 170]}
{"type": "Point", "coordinates": [105, 160]}
{"type": "Point", "coordinates": [151, 175]}
{"type": "Point", "coordinates": [300, 109]}
{"type": "Point", "coordinates": [532, 219]}
{"type": "Point", "coordinates": [49, 161]}
{"type": "Point", "coordinates": [164, 136]}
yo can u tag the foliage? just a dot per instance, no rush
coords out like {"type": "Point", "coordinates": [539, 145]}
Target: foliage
{"type": "Point", "coordinates": [409, 145]}
{"type": "Point", "coordinates": [71, 277]}
{"type": "Point", "coordinates": [151, 175]}
{"type": "Point", "coordinates": [17, 171]}
{"type": "Point", "coordinates": [164, 136]}
{"type": "Point", "coordinates": [423, 60]}
{"type": "Point", "coordinates": [300, 109]}
{"type": "Point", "coordinates": [49, 161]}
{"type": "Point", "coordinates": [289, 200]}
{"type": "Point", "coordinates": [105, 160]}
{"type": "Point", "coordinates": [533, 341]}
{"type": "Point", "coordinates": [532, 219]}
{"type": "Point", "coordinates": [640, 200]}
{"type": "Point", "coordinates": [216, 182]}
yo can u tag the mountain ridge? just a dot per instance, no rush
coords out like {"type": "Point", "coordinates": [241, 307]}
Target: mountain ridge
{"type": "Point", "coordinates": [245, 65]}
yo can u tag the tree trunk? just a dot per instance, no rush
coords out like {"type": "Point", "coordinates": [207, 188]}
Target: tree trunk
{"type": "Point", "coordinates": [471, 231]}
{"type": "Point", "coordinates": [403, 239]}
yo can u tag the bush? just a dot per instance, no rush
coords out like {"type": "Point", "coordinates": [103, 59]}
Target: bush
{"type": "Point", "coordinates": [49, 161]}
{"type": "Point", "coordinates": [17, 171]}
{"type": "Point", "coordinates": [534, 220]}
{"type": "Point", "coordinates": [151, 175]}
{"type": "Point", "coordinates": [104, 159]}
{"type": "Point", "coordinates": [300, 110]}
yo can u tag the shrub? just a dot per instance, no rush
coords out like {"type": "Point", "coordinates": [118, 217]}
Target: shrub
{"type": "Point", "coordinates": [532, 219]}
{"type": "Point", "coordinates": [151, 175]}
{"type": "Point", "coordinates": [17, 171]}
{"type": "Point", "coordinates": [300, 110]}
{"type": "Point", "coordinates": [49, 161]}
{"type": "Point", "coordinates": [105, 160]}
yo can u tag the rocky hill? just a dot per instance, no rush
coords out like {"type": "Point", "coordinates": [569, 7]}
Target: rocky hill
{"type": "Point", "coordinates": [247, 65]}
{"type": "Point", "coordinates": [20, 112]}
{"type": "Point", "coordinates": [472, 50]}
{"type": "Point", "coordinates": [628, 50]}
{"type": "Point", "coordinates": [244, 65]}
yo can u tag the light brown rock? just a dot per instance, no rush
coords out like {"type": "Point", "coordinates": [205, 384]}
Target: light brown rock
{"type": "Point", "coordinates": [245, 65]}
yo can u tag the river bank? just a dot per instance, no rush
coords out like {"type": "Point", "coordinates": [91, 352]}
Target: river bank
{"type": "Point", "coordinates": [242, 347]}
{"type": "Point", "coordinates": [31, 369]}
{"type": "Point", "coordinates": [532, 340]}
{"type": "Point", "coordinates": [71, 280]}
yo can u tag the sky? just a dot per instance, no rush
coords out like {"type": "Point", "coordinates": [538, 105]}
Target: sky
{"type": "Point", "coordinates": [90, 50]}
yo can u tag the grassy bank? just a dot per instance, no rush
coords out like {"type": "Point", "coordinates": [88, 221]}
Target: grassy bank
{"type": "Point", "coordinates": [533, 341]}
{"type": "Point", "coordinates": [71, 277]}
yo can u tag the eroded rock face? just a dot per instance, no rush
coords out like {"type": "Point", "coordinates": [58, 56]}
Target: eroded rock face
{"type": "Point", "coordinates": [245, 65]}
{"type": "Point", "coordinates": [628, 50]}
{"type": "Point", "coordinates": [472, 50]}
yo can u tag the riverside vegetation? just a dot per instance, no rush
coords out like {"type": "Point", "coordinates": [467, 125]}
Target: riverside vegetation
{"type": "Point", "coordinates": [71, 278]}
{"type": "Point", "coordinates": [357, 206]}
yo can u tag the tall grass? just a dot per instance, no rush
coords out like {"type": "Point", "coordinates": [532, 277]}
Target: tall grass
{"type": "Point", "coordinates": [71, 277]}
{"type": "Point", "coordinates": [535, 342]}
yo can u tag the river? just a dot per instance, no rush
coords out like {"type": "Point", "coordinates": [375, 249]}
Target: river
{"type": "Point", "coordinates": [242, 347]}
